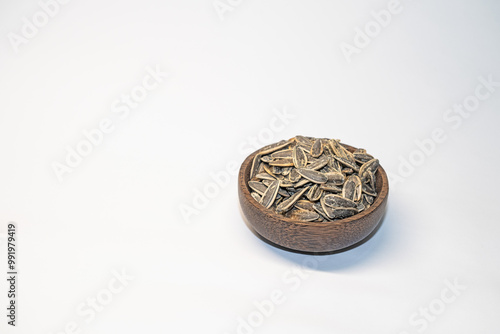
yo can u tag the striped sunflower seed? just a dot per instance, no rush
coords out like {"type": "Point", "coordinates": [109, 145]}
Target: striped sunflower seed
{"type": "Point", "coordinates": [270, 194]}
{"type": "Point", "coordinates": [312, 175]}
{"type": "Point", "coordinates": [299, 157]}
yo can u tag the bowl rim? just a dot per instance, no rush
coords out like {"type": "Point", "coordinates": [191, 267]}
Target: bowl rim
{"type": "Point", "coordinates": [381, 196]}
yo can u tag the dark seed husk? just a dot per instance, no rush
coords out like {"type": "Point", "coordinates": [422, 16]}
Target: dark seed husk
{"type": "Point", "coordinates": [330, 187]}
{"type": "Point", "coordinates": [270, 195]}
{"type": "Point", "coordinates": [317, 148]}
{"type": "Point", "coordinates": [282, 163]}
{"type": "Point", "coordinates": [265, 176]}
{"type": "Point", "coordinates": [294, 175]}
{"type": "Point", "coordinates": [349, 190]}
{"type": "Point", "coordinates": [314, 193]}
{"type": "Point", "coordinates": [304, 215]}
{"type": "Point", "coordinates": [255, 196]}
{"type": "Point", "coordinates": [312, 175]}
{"type": "Point", "coordinates": [347, 163]}
{"type": "Point", "coordinates": [305, 205]}
{"type": "Point", "coordinates": [283, 154]}
{"type": "Point", "coordinates": [299, 157]}
{"type": "Point", "coordinates": [318, 164]}
{"type": "Point", "coordinates": [339, 213]}
{"type": "Point", "coordinates": [258, 187]}
{"type": "Point", "coordinates": [336, 201]}
{"type": "Point", "coordinates": [319, 209]}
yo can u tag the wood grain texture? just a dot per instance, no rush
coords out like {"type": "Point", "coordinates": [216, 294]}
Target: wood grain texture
{"type": "Point", "coordinates": [311, 237]}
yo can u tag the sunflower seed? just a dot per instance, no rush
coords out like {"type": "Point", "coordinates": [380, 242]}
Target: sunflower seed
{"type": "Point", "coordinates": [335, 178]}
{"type": "Point", "coordinates": [317, 148]}
{"type": "Point", "coordinates": [334, 164]}
{"type": "Point", "coordinates": [368, 190]}
{"type": "Point", "coordinates": [348, 155]}
{"type": "Point", "coordinates": [326, 209]}
{"type": "Point", "coordinates": [312, 175]}
{"type": "Point", "coordinates": [347, 171]}
{"type": "Point", "coordinates": [327, 169]}
{"type": "Point", "coordinates": [286, 170]}
{"type": "Point", "coordinates": [367, 177]}
{"type": "Point", "coordinates": [304, 215]}
{"type": "Point", "coordinates": [369, 199]}
{"type": "Point", "coordinates": [255, 165]}
{"type": "Point", "coordinates": [299, 157]}
{"type": "Point", "coordinates": [336, 201]}
{"type": "Point", "coordinates": [265, 176]}
{"type": "Point", "coordinates": [347, 163]}
{"type": "Point", "coordinates": [287, 185]}
{"type": "Point", "coordinates": [270, 195]}
{"type": "Point", "coordinates": [357, 187]}
{"type": "Point", "coordinates": [366, 201]}
{"type": "Point", "coordinates": [283, 154]}
{"type": "Point", "coordinates": [258, 187]}
{"type": "Point", "coordinates": [305, 205]}
{"type": "Point", "coordinates": [371, 165]}
{"type": "Point", "coordinates": [306, 149]}
{"type": "Point", "coordinates": [301, 183]}
{"type": "Point", "coordinates": [363, 157]}
{"type": "Point", "coordinates": [269, 170]}
{"type": "Point", "coordinates": [266, 158]}
{"type": "Point", "coordinates": [282, 163]}
{"type": "Point", "coordinates": [261, 168]}
{"type": "Point", "coordinates": [318, 164]}
{"type": "Point", "coordinates": [274, 147]}
{"type": "Point", "coordinates": [349, 190]}
{"type": "Point", "coordinates": [314, 193]}
{"type": "Point", "coordinates": [266, 150]}
{"type": "Point", "coordinates": [294, 175]}
{"type": "Point", "coordinates": [283, 192]}
{"type": "Point", "coordinates": [319, 209]}
{"type": "Point", "coordinates": [371, 179]}
{"type": "Point", "coordinates": [303, 140]}
{"type": "Point", "coordinates": [255, 196]}
{"type": "Point", "coordinates": [336, 148]}
{"type": "Point", "coordinates": [290, 201]}
{"type": "Point", "coordinates": [338, 213]}
{"type": "Point", "coordinates": [331, 187]}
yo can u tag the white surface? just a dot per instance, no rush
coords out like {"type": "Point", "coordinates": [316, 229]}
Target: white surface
{"type": "Point", "coordinates": [120, 209]}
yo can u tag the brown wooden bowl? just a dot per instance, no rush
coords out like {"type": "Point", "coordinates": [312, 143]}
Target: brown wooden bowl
{"type": "Point", "coordinates": [317, 238]}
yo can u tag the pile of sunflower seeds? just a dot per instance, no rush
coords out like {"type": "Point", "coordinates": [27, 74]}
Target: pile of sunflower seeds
{"type": "Point", "coordinates": [313, 179]}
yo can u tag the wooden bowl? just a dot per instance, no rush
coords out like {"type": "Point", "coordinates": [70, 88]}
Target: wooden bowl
{"type": "Point", "coordinates": [316, 238]}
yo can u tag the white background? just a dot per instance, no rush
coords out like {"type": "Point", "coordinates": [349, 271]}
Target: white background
{"type": "Point", "coordinates": [119, 210]}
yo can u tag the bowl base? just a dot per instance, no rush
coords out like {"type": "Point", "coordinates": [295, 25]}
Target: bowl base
{"type": "Point", "coordinates": [359, 243]}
